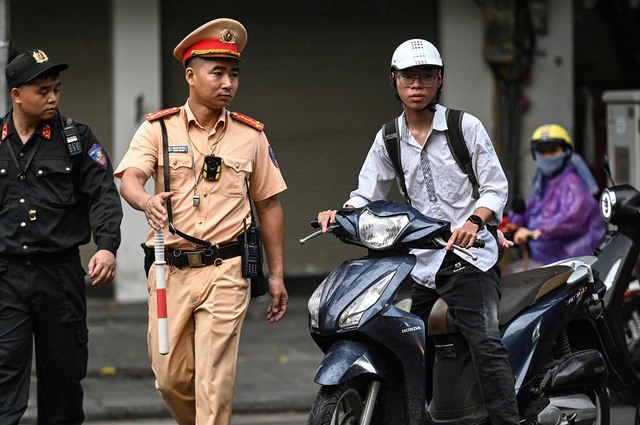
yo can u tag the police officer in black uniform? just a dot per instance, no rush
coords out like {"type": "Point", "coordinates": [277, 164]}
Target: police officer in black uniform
{"type": "Point", "coordinates": [56, 188]}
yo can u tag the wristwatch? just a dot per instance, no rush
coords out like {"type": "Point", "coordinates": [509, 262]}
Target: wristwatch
{"type": "Point", "coordinates": [476, 220]}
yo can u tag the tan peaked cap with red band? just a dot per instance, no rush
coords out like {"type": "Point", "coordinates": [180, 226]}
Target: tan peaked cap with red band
{"type": "Point", "coordinates": [222, 37]}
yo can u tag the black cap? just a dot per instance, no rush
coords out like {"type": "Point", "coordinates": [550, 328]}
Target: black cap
{"type": "Point", "coordinates": [30, 65]}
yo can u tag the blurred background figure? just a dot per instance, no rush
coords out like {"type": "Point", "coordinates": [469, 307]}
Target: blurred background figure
{"type": "Point", "coordinates": [561, 218]}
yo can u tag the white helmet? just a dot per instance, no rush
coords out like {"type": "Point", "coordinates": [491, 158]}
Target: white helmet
{"type": "Point", "coordinates": [415, 52]}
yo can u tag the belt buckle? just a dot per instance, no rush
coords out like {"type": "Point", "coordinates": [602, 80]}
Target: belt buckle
{"type": "Point", "coordinates": [194, 259]}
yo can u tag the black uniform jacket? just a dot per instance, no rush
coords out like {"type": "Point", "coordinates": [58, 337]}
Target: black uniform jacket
{"type": "Point", "coordinates": [52, 201]}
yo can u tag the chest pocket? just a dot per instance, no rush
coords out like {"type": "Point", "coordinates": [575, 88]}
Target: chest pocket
{"type": "Point", "coordinates": [54, 181]}
{"type": "Point", "coordinates": [232, 175]}
{"type": "Point", "coordinates": [180, 173]}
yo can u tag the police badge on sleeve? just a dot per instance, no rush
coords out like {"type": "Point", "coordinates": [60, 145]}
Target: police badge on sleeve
{"type": "Point", "coordinates": [98, 155]}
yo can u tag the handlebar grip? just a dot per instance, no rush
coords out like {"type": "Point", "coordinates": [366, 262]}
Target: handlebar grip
{"type": "Point", "coordinates": [315, 224]}
{"type": "Point", "coordinates": [479, 243]}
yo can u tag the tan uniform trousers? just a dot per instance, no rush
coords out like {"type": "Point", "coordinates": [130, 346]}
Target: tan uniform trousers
{"type": "Point", "coordinates": [205, 310]}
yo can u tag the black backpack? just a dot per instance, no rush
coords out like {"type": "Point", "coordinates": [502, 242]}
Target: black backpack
{"type": "Point", "coordinates": [456, 144]}
{"type": "Point", "coordinates": [455, 140]}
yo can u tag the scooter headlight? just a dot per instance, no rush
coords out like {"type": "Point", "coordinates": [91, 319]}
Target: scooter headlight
{"type": "Point", "coordinates": [351, 316]}
{"type": "Point", "coordinates": [314, 304]}
{"type": "Point", "coordinates": [380, 232]}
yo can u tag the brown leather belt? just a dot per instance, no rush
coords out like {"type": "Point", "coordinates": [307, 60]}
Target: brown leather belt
{"type": "Point", "coordinates": [200, 258]}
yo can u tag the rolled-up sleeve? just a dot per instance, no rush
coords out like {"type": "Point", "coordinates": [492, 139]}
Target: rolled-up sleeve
{"type": "Point", "coordinates": [493, 187]}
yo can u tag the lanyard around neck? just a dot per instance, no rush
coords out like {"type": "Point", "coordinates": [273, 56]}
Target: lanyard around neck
{"type": "Point", "coordinates": [22, 172]}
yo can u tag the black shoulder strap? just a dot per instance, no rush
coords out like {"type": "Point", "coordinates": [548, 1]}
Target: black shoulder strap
{"type": "Point", "coordinates": [458, 148]}
{"type": "Point", "coordinates": [167, 188]}
{"type": "Point", "coordinates": [455, 141]}
{"type": "Point", "coordinates": [392, 142]}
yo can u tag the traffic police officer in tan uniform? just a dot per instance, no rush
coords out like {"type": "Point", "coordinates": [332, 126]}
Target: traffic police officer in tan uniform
{"type": "Point", "coordinates": [56, 188]}
{"type": "Point", "coordinates": [206, 303]}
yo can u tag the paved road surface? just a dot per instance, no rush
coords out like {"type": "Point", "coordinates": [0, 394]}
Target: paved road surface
{"type": "Point", "coordinates": [620, 415]}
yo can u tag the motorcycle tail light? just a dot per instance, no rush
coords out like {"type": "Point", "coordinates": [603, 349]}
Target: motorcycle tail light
{"type": "Point", "coordinates": [380, 232]}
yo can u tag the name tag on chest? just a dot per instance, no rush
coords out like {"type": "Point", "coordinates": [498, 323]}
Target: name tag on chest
{"type": "Point", "coordinates": [178, 149]}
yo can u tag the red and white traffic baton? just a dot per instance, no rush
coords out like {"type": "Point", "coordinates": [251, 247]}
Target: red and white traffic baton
{"type": "Point", "coordinates": [161, 293]}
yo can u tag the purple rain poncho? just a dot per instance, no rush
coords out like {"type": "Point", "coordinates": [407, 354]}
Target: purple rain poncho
{"type": "Point", "coordinates": [567, 215]}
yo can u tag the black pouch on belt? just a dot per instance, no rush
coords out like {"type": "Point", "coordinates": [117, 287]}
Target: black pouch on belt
{"type": "Point", "coordinates": [149, 258]}
{"type": "Point", "coordinates": [252, 259]}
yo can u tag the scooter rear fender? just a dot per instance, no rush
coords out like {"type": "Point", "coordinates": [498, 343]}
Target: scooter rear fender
{"type": "Point", "coordinates": [348, 359]}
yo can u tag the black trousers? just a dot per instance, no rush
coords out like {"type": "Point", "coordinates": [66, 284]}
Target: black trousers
{"type": "Point", "coordinates": [473, 297]}
{"type": "Point", "coordinates": [43, 303]}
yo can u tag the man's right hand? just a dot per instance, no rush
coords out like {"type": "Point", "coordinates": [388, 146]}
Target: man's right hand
{"type": "Point", "coordinates": [523, 235]}
{"type": "Point", "coordinates": [155, 210]}
{"type": "Point", "coordinates": [325, 218]}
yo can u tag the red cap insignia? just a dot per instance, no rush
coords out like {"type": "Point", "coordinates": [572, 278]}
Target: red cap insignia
{"type": "Point", "coordinates": [247, 120]}
{"type": "Point", "coordinates": [5, 131]}
{"type": "Point", "coordinates": [46, 131]}
{"type": "Point", "coordinates": [163, 113]}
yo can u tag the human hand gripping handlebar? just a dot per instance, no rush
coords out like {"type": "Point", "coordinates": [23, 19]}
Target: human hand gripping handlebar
{"type": "Point", "coordinates": [439, 241]}
{"type": "Point", "coordinates": [316, 225]}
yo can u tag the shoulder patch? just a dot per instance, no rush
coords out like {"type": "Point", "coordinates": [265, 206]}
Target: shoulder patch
{"type": "Point", "coordinates": [247, 120]}
{"type": "Point", "coordinates": [163, 113]}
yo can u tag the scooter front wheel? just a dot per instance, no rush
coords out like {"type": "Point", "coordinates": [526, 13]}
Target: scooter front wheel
{"type": "Point", "coordinates": [338, 404]}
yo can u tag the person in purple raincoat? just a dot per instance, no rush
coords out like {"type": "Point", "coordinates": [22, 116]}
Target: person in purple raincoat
{"type": "Point", "coordinates": [561, 217]}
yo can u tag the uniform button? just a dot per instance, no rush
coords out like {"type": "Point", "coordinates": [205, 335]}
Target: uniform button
{"type": "Point", "coordinates": [2, 171]}
{"type": "Point", "coordinates": [22, 201]}
{"type": "Point", "coordinates": [21, 153]}
{"type": "Point", "coordinates": [175, 162]}
{"type": "Point", "coordinates": [23, 224]}
{"type": "Point", "coordinates": [40, 171]}
{"type": "Point", "coordinates": [67, 169]}
{"type": "Point", "coordinates": [25, 247]}
{"type": "Point", "coordinates": [28, 263]}
{"type": "Point", "coordinates": [205, 195]}
{"type": "Point", "coordinates": [237, 166]}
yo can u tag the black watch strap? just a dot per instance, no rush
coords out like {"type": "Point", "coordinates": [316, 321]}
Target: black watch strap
{"type": "Point", "coordinates": [476, 220]}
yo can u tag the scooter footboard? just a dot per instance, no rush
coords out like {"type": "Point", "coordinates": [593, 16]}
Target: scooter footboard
{"type": "Point", "coordinates": [346, 360]}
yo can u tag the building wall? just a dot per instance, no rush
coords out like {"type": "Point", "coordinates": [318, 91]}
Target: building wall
{"type": "Point", "coordinates": [77, 33]}
{"type": "Point", "coordinates": [314, 72]}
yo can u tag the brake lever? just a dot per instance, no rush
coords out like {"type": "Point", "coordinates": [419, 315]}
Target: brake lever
{"type": "Point", "coordinates": [442, 243]}
{"type": "Point", "coordinates": [318, 233]}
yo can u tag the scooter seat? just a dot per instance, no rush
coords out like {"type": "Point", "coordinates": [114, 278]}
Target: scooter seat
{"type": "Point", "coordinates": [518, 291]}
{"type": "Point", "coordinates": [524, 288]}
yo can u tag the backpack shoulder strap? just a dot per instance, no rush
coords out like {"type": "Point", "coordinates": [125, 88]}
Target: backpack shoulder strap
{"type": "Point", "coordinates": [458, 148]}
{"type": "Point", "coordinates": [392, 143]}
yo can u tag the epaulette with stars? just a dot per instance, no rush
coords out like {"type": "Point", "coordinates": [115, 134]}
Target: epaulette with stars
{"type": "Point", "coordinates": [163, 113]}
{"type": "Point", "coordinates": [247, 120]}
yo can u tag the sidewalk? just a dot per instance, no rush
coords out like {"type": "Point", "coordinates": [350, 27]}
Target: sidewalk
{"type": "Point", "coordinates": [276, 367]}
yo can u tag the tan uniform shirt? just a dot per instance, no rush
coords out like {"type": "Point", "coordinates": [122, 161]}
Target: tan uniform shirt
{"type": "Point", "coordinates": [245, 153]}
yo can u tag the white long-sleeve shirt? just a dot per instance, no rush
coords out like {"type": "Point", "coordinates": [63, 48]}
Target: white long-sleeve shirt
{"type": "Point", "coordinates": [450, 197]}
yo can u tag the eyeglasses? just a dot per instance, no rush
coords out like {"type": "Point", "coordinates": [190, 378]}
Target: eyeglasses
{"type": "Point", "coordinates": [425, 80]}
